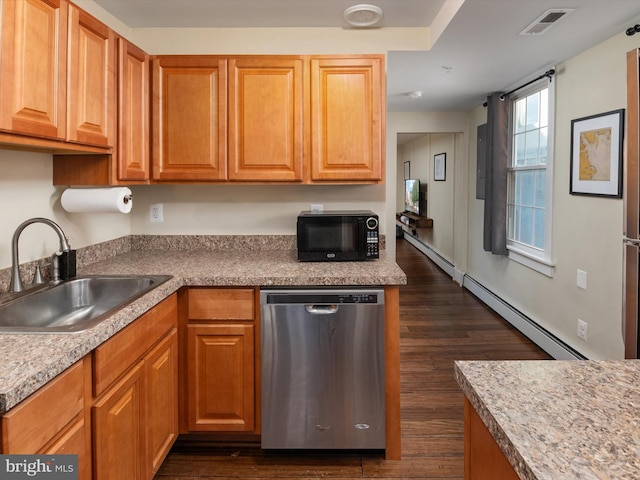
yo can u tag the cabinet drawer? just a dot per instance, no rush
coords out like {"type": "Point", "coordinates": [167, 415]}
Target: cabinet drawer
{"type": "Point", "coordinates": [221, 304]}
{"type": "Point", "coordinates": [116, 355]}
{"type": "Point", "coordinates": [35, 421]}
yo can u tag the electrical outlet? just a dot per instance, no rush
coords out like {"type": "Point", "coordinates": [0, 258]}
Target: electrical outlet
{"type": "Point", "coordinates": [583, 330]}
{"type": "Point", "coordinates": [316, 208]}
{"type": "Point", "coordinates": [155, 213]}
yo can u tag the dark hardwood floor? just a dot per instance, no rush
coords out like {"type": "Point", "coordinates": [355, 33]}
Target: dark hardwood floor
{"type": "Point", "coordinates": [440, 322]}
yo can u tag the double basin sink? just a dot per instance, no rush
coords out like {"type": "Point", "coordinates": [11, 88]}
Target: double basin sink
{"type": "Point", "coordinates": [74, 305]}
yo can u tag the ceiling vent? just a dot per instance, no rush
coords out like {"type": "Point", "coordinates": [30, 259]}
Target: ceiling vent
{"type": "Point", "coordinates": [545, 21]}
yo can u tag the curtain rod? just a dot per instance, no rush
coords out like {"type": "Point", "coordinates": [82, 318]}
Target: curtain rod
{"type": "Point", "coordinates": [549, 73]}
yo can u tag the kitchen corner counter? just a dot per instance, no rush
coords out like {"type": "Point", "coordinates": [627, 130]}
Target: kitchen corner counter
{"type": "Point", "coordinates": [30, 361]}
{"type": "Point", "coordinates": [556, 420]}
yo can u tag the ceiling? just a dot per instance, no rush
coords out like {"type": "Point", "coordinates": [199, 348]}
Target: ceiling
{"type": "Point", "coordinates": [478, 52]}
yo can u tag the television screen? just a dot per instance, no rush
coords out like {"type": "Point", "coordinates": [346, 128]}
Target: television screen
{"type": "Point", "coordinates": [412, 196]}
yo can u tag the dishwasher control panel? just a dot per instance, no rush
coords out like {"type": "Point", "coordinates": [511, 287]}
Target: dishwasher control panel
{"type": "Point", "coordinates": [330, 298]}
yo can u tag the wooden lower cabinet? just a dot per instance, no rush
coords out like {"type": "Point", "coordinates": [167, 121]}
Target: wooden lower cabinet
{"type": "Point", "coordinates": [136, 421]}
{"type": "Point", "coordinates": [161, 401]}
{"type": "Point", "coordinates": [52, 420]}
{"type": "Point", "coordinates": [117, 429]}
{"type": "Point", "coordinates": [222, 384]}
{"type": "Point", "coordinates": [135, 412]}
{"type": "Point", "coordinates": [221, 377]}
{"type": "Point", "coordinates": [483, 459]}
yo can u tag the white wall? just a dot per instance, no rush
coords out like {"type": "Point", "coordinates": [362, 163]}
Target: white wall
{"type": "Point", "coordinates": [244, 209]}
{"type": "Point", "coordinates": [587, 231]}
{"type": "Point", "coordinates": [26, 191]}
{"type": "Point", "coordinates": [456, 123]}
{"type": "Point", "coordinates": [440, 194]}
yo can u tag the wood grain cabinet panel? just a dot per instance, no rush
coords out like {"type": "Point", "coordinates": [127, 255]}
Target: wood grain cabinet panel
{"type": "Point", "coordinates": [118, 429]}
{"type": "Point", "coordinates": [133, 160]}
{"type": "Point", "coordinates": [221, 377]}
{"type": "Point", "coordinates": [34, 422]}
{"type": "Point", "coordinates": [221, 304]}
{"type": "Point", "coordinates": [483, 458]}
{"type": "Point", "coordinates": [76, 440]}
{"type": "Point", "coordinates": [135, 417]}
{"type": "Point", "coordinates": [91, 100]}
{"type": "Point", "coordinates": [33, 67]}
{"type": "Point", "coordinates": [347, 118]}
{"type": "Point", "coordinates": [161, 401]}
{"type": "Point", "coordinates": [53, 420]}
{"type": "Point", "coordinates": [221, 382]}
{"type": "Point", "coordinates": [130, 161]}
{"type": "Point", "coordinates": [266, 119]}
{"type": "Point", "coordinates": [189, 119]}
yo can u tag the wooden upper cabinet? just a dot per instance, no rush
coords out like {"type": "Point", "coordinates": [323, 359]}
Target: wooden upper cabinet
{"type": "Point", "coordinates": [347, 118]}
{"type": "Point", "coordinates": [266, 119]}
{"type": "Point", "coordinates": [189, 112]}
{"type": "Point", "coordinates": [91, 101]}
{"type": "Point", "coordinates": [33, 67]}
{"type": "Point", "coordinates": [133, 112]}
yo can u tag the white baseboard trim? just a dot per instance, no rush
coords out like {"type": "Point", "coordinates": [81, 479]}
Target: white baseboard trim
{"type": "Point", "coordinates": [432, 254]}
{"type": "Point", "coordinates": [538, 335]}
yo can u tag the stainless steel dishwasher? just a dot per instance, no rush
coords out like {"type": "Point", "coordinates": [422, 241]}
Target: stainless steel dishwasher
{"type": "Point", "coordinates": [322, 369]}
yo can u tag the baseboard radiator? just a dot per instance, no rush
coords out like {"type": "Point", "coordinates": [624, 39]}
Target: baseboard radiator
{"type": "Point", "coordinates": [534, 332]}
{"type": "Point", "coordinates": [527, 326]}
{"type": "Point", "coordinates": [434, 256]}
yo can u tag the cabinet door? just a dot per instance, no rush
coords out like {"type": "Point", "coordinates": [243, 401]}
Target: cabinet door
{"type": "Point", "coordinates": [266, 119]}
{"type": "Point", "coordinates": [117, 430]}
{"type": "Point", "coordinates": [76, 441]}
{"type": "Point", "coordinates": [220, 377]}
{"type": "Point", "coordinates": [33, 67]}
{"type": "Point", "coordinates": [133, 112]}
{"type": "Point", "coordinates": [347, 118]}
{"type": "Point", "coordinates": [92, 76]}
{"type": "Point", "coordinates": [39, 419]}
{"type": "Point", "coordinates": [161, 410]}
{"type": "Point", "coordinates": [189, 118]}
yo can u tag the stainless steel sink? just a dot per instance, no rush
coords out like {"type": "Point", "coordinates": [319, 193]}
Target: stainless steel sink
{"type": "Point", "coordinates": [74, 305]}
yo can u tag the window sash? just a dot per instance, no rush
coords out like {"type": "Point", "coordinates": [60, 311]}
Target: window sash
{"type": "Point", "coordinates": [529, 172]}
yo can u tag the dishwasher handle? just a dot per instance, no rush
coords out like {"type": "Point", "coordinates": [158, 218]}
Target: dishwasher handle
{"type": "Point", "coordinates": [321, 309]}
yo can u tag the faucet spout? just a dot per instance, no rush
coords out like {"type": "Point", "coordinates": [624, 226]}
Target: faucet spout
{"type": "Point", "coordinates": [16, 283]}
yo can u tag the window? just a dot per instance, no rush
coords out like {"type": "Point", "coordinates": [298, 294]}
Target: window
{"type": "Point", "coordinates": [529, 175]}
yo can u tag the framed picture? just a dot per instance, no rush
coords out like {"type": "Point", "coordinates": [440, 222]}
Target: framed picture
{"type": "Point", "coordinates": [596, 154]}
{"type": "Point", "coordinates": [407, 170]}
{"type": "Point", "coordinates": [440, 167]}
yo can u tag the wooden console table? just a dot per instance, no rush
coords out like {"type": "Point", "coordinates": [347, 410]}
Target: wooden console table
{"type": "Point", "coordinates": [415, 221]}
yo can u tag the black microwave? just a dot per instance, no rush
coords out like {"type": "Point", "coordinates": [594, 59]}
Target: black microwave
{"type": "Point", "coordinates": [337, 236]}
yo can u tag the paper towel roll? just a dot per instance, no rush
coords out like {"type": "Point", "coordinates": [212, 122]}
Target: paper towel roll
{"type": "Point", "coordinates": [92, 200]}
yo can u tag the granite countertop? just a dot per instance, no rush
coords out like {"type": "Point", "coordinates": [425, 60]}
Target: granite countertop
{"type": "Point", "coordinates": [30, 361]}
{"type": "Point", "coordinates": [557, 420]}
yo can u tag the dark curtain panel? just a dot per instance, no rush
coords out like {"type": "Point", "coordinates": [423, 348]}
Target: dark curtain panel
{"type": "Point", "coordinates": [495, 193]}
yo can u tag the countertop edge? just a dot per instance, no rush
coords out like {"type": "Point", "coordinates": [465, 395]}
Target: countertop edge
{"type": "Point", "coordinates": [501, 438]}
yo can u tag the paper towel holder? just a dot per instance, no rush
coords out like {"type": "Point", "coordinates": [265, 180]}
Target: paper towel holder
{"type": "Point", "coordinates": [127, 199]}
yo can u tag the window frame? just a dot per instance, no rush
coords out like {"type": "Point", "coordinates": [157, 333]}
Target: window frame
{"type": "Point", "coordinates": [532, 257]}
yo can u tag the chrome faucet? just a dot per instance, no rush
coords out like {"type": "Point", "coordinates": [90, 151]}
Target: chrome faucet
{"type": "Point", "coordinates": [16, 282]}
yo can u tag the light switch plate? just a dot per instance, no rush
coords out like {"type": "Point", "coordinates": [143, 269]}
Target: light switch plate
{"type": "Point", "coordinates": [581, 279]}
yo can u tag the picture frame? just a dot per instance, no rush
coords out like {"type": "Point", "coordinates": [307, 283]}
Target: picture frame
{"type": "Point", "coordinates": [407, 170]}
{"type": "Point", "coordinates": [596, 154]}
{"type": "Point", "coordinates": [440, 167]}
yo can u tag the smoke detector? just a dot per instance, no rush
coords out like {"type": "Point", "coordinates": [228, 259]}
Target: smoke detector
{"type": "Point", "coordinates": [363, 15]}
{"type": "Point", "coordinates": [545, 21]}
